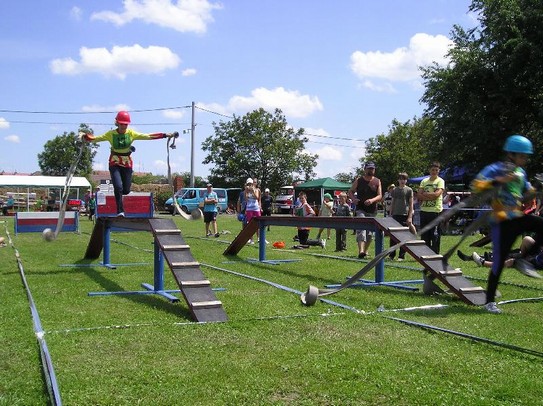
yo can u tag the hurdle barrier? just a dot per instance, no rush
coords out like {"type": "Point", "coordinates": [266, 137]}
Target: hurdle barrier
{"type": "Point", "coordinates": [35, 222]}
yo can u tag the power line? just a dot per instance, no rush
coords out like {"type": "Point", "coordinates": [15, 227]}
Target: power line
{"type": "Point", "coordinates": [90, 112]}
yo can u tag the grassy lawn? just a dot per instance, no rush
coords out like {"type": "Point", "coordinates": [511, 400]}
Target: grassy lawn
{"type": "Point", "coordinates": [142, 349]}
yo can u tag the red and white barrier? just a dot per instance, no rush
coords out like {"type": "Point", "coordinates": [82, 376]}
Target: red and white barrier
{"type": "Point", "coordinates": [36, 222]}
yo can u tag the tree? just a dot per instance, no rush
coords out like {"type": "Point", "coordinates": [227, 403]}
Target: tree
{"type": "Point", "coordinates": [60, 152]}
{"type": "Point", "coordinates": [261, 145]}
{"type": "Point", "coordinates": [403, 149]}
{"type": "Point", "coordinates": [492, 85]}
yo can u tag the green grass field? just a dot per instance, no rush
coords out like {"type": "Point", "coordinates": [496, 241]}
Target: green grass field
{"type": "Point", "coordinates": [142, 349]}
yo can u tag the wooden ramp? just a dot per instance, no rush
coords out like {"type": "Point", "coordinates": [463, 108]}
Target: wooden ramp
{"type": "Point", "coordinates": [241, 239]}
{"type": "Point", "coordinates": [433, 263]}
{"type": "Point", "coordinates": [196, 289]}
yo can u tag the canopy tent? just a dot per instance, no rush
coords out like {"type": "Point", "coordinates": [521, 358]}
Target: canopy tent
{"type": "Point", "coordinates": [28, 182]}
{"type": "Point", "coordinates": [41, 181]}
{"type": "Point", "coordinates": [454, 174]}
{"type": "Point", "coordinates": [323, 185]}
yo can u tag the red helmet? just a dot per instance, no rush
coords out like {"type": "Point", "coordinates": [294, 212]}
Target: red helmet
{"type": "Point", "coordinates": [122, 117]}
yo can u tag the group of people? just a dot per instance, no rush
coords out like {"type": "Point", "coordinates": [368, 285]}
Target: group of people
{"type": "Point", "coordinates": [507, 177]}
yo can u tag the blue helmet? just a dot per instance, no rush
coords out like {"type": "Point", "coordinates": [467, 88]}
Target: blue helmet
{"type": "Point", "coordinates": [241, 217]}
{"type": "Point", "coordinates": [518, 143]}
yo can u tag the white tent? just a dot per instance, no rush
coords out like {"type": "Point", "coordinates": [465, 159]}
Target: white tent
{"type": "Point", "coordinates": [27, 181]}
{"type": "Point", "coordinates": [41, 181]}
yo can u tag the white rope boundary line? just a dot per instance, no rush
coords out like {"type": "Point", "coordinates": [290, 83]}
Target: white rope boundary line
{"type": "Point", "coordinates": [47, 363]}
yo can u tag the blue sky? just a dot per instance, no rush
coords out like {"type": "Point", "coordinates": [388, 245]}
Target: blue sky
{"type": "Point", "coordinates": [343, 70]}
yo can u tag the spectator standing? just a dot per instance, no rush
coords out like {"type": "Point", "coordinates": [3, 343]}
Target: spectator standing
{"type": "Point", "coordinates": [343, 209]}
{"type": "Point", "coordinates": [387, 200]}
{"type": "Point", "coordinates": [431, 204]}
{"type": "Point", "coordinates": [210, 210]}
{"type": "Point", "coordinates": [326, 210]}
{"type": "Point", "coordinates": [252, 204]}
{"type": "Point", "coordinates": [267, 201]}
{"type": "Point", "coordinates": [401, 208]}
{"type": "Point", "coordinates": [368, 193]}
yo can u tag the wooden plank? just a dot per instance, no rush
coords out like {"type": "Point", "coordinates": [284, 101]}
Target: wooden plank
{"type": "Point", "coordinates": [185, 264]}
{"type": "Point", "coordinates": [96, 242]}
{"type": "Point", "coordinates": [194, 284]}
{"type": "Point", "coordinates": [453, 272]}
{"type": "Point", "coordinates": [209, 303]}
{"type": "Point", "coordinates": [431, 257]}
{"type": "Point", "coordinates": [175, 247]}
{"type": "Point", "coordinates": [242, 238]}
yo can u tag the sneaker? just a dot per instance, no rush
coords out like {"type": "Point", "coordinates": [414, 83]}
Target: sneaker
{"type": "Point", "coordinates": [217, 235]}
{"type": "Point", "coordinates": [267, 242]}
{"type": "Point", "coordinates": [491, 307]}
{"type": "Point", "coordinates": [323, 243]}
{"type": "Point", "coordinates": [362, 255]}
{"type": "Point", "coordinates": [478, 259]}
{"type": "Point", "coordinates": [208, 233]}
{"type": "Point", "coordinates": [400, 259]}
{"type": "Point", "coordinates": [251, 242]}
{"type": "Point", "coordinates": [121, 214]}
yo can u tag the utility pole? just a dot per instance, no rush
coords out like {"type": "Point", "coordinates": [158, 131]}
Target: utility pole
{"type": "Point", "coordinates": [192, 127]}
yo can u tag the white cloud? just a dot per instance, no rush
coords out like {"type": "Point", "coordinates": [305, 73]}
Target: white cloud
{"type": "Point", "coordinates": [402, 64]}
{"type": "Point", "coordinates": [173, 114]}
{"type": "Point", "coordinates": [329, 153]}
{"type": "Point", "coordinates": [95, 108]}
{"type": "Point", "coordinates": [3, 123]}
{"type": "Point", "coordinates": [189, 72]}
{"type": "Point", "coordinates": [13, 138]}
{"type": "Point", "coordinates": [184, 16]}
{"type": "Point", "coordinates": [119, 62]}
{"type": "Point", "coordinates": [382, 88]}
{"type": "Point", "coordinates": [76, 13]}
{"type": "Point", "coordinates": [291, 102]}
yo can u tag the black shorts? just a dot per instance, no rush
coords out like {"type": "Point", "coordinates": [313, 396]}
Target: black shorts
{"type": "Point", "coordinates": [210, 216]}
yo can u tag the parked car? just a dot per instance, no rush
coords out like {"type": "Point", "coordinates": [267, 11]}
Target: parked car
{"type": "Point", "coordinates": [190, 198]}
{"type": "Point", "coordinates": [284, 200]}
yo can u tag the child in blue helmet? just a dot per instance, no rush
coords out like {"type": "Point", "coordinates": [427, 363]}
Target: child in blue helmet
{"type": "Point", "coordinates": [507, 220]}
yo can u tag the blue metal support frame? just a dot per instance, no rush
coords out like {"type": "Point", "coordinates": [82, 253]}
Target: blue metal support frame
{"type": "Point", "coordinates": [357, 223]}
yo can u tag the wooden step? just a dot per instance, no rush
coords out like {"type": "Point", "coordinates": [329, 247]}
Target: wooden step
{"type": "Point", "coordinates": [472, 289]}
{"type": "Point", "coordinates": [174, 247]}
{"type": "Point", "coordinates": [392, 229]}
{"type": "Point", "coordinates": [184, 264]}
{"type": "Point", "coordinates": [167, 231]}
{"type": "Point", "coordinates": [206, 304]}
{"type": "Point", "coordinates": [451, 272]}
{"type": "Point", "coordinates": [415, 242]}
{"type": "Point", "coordinates": [431, 257]}
{"type": "Point", "coordinates": [195, 284]}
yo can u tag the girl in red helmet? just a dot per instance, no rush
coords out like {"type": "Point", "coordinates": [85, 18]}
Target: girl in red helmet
{"type": "Point", "coordinates": [120, 160]}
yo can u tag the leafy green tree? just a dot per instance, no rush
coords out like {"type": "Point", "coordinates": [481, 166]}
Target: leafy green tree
{"type": "Point", "coordinates": [149, 178]}
{"type": "Point", "coordinates": [345, 177]}
{"type": "Point", "coordinates": [403, 149]}
{"type": "Point", "coordinates": [492, 85]}
{"type": "Point", "coordinates": [261, 145]}
{"type": "Point", "coordinates": [60, 152]}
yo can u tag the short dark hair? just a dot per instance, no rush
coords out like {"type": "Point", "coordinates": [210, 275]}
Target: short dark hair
{"type": "Point", "coordinates": [435, 164]}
